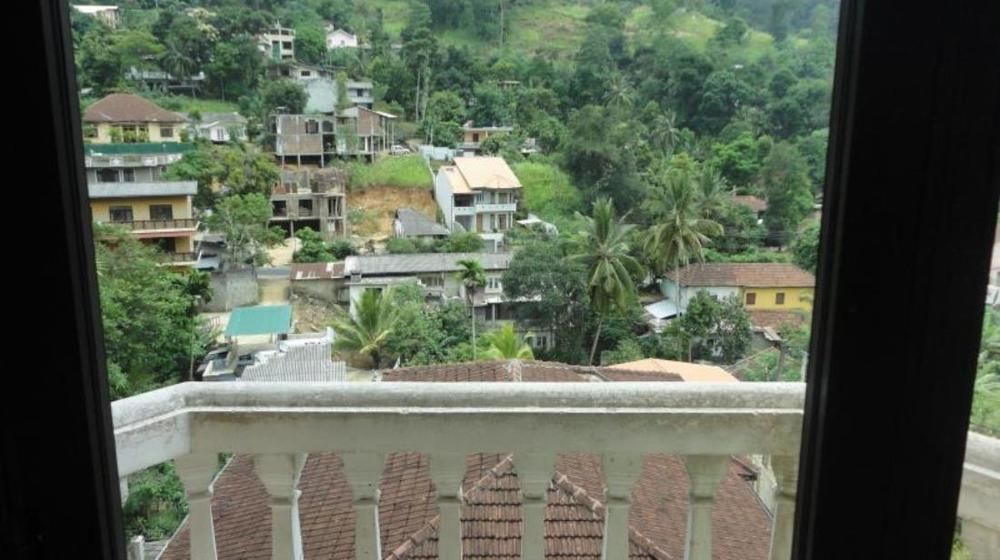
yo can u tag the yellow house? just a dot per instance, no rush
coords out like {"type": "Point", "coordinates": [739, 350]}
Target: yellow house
{"type": "Point", "coordinates": [130, 119]}
{"type": "Point", "coordinates": [779, 287]}
{"type": "Point", "coordinates": [159, 213]}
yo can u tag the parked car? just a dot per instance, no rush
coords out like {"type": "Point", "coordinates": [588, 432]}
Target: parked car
{"type": "Point", "coordinates": [398, 149]}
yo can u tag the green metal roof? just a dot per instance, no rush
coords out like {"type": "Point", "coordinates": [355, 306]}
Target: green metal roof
{"type": "Point", "coordinates": [143, 148]}
{"type": "Point", "coordinates": [260, 319]}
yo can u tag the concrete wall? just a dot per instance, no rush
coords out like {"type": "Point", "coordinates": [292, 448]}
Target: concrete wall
{"type": "Point", "coordinates": [233, 289]}
{"type": "Point", "coordinates": [324, 290]}
{"type": "Point", "coordinates": [153, 129]}
{"type": "Point", "coordinates": [274, 290]}
{"type": "Point", "coordinates": [444, 198]}
{"type": "Point", "coordinates": [100, 209]}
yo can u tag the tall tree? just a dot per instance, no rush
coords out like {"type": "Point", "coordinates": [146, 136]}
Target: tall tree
{"type": "Point", "coordinates": [473, 278]}
{"type": "Point", "coordinates": [366, 332]}
{"type": "Point", "coordinates": [785, 183]}
{"type": "Point", "coordinates": [681, 233]}
{"type": "Point", "coordinates": [611, 270]}
{"type": "Point", "coordinates": [242, 220]}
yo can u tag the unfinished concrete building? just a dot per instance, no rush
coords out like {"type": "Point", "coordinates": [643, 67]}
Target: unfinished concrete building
{"type": "Point", "coordinates": [311, 197]}
{"type": "Point", "coordinates": [319, 138]}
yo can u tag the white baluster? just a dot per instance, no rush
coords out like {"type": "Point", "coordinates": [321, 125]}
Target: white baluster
{"type": "Point", "coordinates": [534, 472]}
{"type": "Point", "coordinates": [786, 470]}
{"type": "Point", "coordinates": [447, 471]}
{"type": "Point", "coordinates": [705, 472]}
{"type": "Point", "coordinates": [621, 472]}
{"type": "Point", "coordinates": [363, 472]}
{"type": "Point", "coordinates": [280, 476]}
{"type": "Point", "coordinates": [196, 471]}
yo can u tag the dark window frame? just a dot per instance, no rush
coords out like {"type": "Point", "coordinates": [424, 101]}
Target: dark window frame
{"type": "Point", "coordinates": [153, 208]}
{"type": "Point", "coordinates": [751, 298]}
{"type": "Point", "coordinates": [121, 208]}
{"type": "Point", "coordinates": [912, 85]}
{"type": "Point", "coordinates": [779, 298]}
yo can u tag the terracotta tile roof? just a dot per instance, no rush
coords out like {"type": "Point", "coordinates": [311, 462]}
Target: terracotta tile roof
{"type": "Point", "coordinates": [491, 514]}
{"type": "Point", "coordinates": [745, 275]}
{"type": "Point", "coordinates": [687, 371]}
{"type": "Point", "coordinates": [754, 203]}
{"type": "Point", "coordinates": [487, 173]}
{"type": "Point", "coordinates": [125, 107]}
{"type": "Point", "coordinates": [774, 319]}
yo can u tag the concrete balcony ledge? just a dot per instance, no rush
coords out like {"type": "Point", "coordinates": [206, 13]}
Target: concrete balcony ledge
{"type": "Point", "coordinates": [458, 417]}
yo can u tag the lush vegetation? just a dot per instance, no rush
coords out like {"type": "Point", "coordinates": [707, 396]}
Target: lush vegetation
{"type": "Point", "coordinates": [986, 405]}
{"type": "Point", "coordinates": [399, 171]}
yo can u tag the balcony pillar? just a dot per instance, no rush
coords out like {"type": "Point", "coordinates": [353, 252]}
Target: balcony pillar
{"type": "Point", "coordinates": [280, 476]}
{"type": "Point", "coordinates": [534, 472]}
{"type": "Point", "coordinates": [620, 471]}
{"type": "Point", "coordinates": [705, 472]}
{"type": "Point", "coordinates": [786, 471]}
{"type": "Point", "coordinates": [363, 471]}
{"type": "Point", "coordinates": [196, 472]}
{"type": "Point", "coordinates": [447, 472]}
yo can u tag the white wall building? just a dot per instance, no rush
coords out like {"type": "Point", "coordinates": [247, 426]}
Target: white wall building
{"type": "Point", "coordinates": [340, 39]}
{"type": "Point", "coordinates": [478, 194]}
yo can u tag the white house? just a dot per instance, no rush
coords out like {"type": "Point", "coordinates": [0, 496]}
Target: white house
{"type": "Point", "coordinates": [478, 194]}
{"type": "Point", "coordinates": [340, 39]}
{"type": "Point", "coordinates": [107, 14]}
{"type": "Point", "coordinates": [219, 127]}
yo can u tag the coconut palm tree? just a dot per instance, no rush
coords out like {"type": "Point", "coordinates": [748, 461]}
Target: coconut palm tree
{"type": "Point", "coordinates": [712, 192]}
{"type": "Point", "coordinates": [611, 270]}
{"type": "Point", "coordinates": [506, 345]}
{"type": "Point", "coordinates": [664, 132]}
{"type": "Point", "coordinates": [366, 332]}
{"type": "Point", "coordinates": [471, 276]}
{"type": "Point", "coordinates": [619, 93]}
{"type": "Point", "coordinates": [681, 233]}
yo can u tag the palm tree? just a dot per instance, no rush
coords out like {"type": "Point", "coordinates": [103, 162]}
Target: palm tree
{"type": "Point", "coordinates": [611, 270]}
{"type": "Point", "coordinates": [681, 233]}
{"type": "Point", "coordinates": [473, 278]}
{"type": "Point", "coordinates": [619, 93]}
{"type": "Point", "coordinates": [368, 329]}
{"type": "Point", "coordinates": [506, 345]}
{"type": "Point", "coordinates": [665, 132]}
{"type": "Point", "coordinates": [712, 194]}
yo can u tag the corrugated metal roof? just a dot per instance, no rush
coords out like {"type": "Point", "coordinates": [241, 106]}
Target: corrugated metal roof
{"type": "Point", "coordinates": [260, 319]}
{"type": "Point", "coordinates": [135, 190]}
{"type": "Point", "coordinates": [317, 271]}
{"type": "Point", "coordinates": [312, 363]}
{"type": "Point", "coordinates": [417, 224]}
{"type": "Point", "coordinates": [422, 262]}
{"type": "Point", "coordinates": [662, 309]}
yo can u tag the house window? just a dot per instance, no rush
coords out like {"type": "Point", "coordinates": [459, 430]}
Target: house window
{"type": "Point", "coordinates": [312, 127]}
{"type": "Point", "coordinates": [779, 298]}
{"type": "Point", "coordinates": [432, 281]}
{"type": "Point", "coordinates": [161, 212]}
{"type": "Point", "coordinates": [475, 137]}
{"type": "Point", "coordinates": [120, 214]}
{"type": "Point", "coordinates": [540, 341]}
{"type": "Point", "coordinates": [306, 73]}
{"type": "Point", "coordinates": [493, 284]}
{"type": "Point", "coordinates": [751, 298]}
{"type": "Point", "coordinates": [327, 126]}
{"type": "Point", "coordinates": [220, 134]}
{"type": "Point", "coordinates": [128, 175]}
{"type": "Point", "coordinates": [166, 132]}
{"type": "Point", "coordinates": [107, 175]}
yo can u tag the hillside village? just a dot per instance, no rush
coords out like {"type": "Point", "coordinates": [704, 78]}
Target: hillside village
{"type": "Point", "coordinates": [357, 191]}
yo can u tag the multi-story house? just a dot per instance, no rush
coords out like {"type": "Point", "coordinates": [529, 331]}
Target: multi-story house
{"type": "Point", "coordinates": [107, 14]}
{"type": "Point", "coordinates": [131, 163]}
{"type": "Point", "coordinates": [278, 43]}
{"type": "Point", "coordinates": [324, 93]}
{"type": "Point", "coordinates": [159, 213]}
{"type": "Point", "coordinates": [473, 136]}
{"type": "Point", "coordinates": [130, 119]}
{"type": "Point", "coordinates": [478, 194]}
{"type": "Point", "coordinates": [319, 138]}
{"type": "Point", "coordinates": [313, 198]}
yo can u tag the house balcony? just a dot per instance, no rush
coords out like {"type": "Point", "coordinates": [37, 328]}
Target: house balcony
{"type": "Point", "coordinates": [464, 210]}
{"type": "Point", "coordinates": [131, 160]}
{"type": "Point", "coordinates": [509, 207]}
{"type": "Point", "coordinates": [161, 225]}
{"type": "Point", "coordinates": [703, 424]}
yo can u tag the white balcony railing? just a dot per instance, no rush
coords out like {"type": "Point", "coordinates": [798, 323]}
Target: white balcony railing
{"type": "Point", "coordinates": [465, 210]}
{"type": "Point", "coordinates": [278, 423]}
{"type": "Point", "coordinates": [508, 207]}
